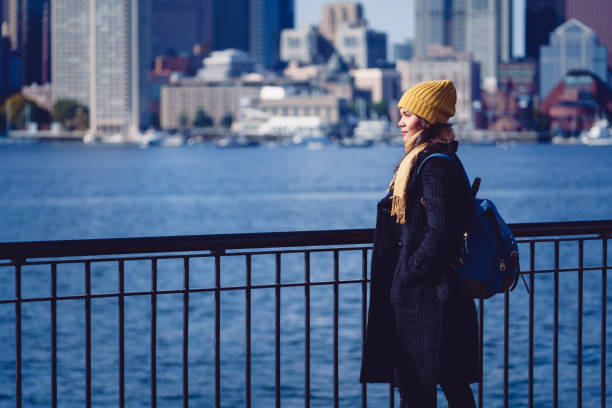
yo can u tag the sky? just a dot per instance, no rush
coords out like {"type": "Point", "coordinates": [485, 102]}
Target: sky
{"type": "Point", "coordinates": [396, 17]}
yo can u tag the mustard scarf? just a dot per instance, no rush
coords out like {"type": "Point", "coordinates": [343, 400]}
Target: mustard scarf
{"type": "Point", "coordinates": [401, 178]}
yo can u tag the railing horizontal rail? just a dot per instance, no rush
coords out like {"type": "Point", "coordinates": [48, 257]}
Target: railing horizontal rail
{"type": "Point", "coordinates": [19, 251]}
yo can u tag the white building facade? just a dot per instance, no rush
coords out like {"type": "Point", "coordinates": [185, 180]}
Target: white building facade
{"type": "Point", "coordinates": [299, 44]}
{"type": "Point", "coordinates": [226, 64]}
{"type": "Point", "coordinates": [361, 47]}
{"type": "Point", "coordinates": [101, 56]}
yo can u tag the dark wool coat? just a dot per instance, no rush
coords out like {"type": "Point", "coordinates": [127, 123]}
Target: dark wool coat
{"type": "Point", "coordinates": [417, 312]}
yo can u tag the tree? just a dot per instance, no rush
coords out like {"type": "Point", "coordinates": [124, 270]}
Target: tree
{"type": "Point", "coordinates": [71, 114]}
{"type": "Point", "coordinates": [17, 104]}
{"type": "Point", "coordinates": [227, 120]}
{"type": "Point", "coordinates": [380, 109]}
{"type": "Point", "coordinates": [201, 119]}
{"type": "Point", "coordinates": [183, 120]}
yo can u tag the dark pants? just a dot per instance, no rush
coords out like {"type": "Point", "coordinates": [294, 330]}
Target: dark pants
{"type": "Point", "coordinates": [424, 396]}
{"type": "Point", "coordinates": [413, 394]}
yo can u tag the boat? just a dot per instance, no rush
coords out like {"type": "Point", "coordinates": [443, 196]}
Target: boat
{"type": "Point", "coordinates": [235, 141]}
{"type": "Point", "coordinates": [172, 141]}
{"type": "Point", "coordinates": [372, 130]}
{"type": "Point", "coordinates": [355, 142]}
{"type": "Point", "coordinates": [600, 134]}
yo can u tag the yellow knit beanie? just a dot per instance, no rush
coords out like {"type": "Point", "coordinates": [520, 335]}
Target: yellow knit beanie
{"type": "Point", "coordinates": [433, 101]}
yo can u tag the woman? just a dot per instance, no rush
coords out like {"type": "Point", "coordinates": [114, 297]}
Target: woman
{"type": "Point", "coordinates": [422, 330]}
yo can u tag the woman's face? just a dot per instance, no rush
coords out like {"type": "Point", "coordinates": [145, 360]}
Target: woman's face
{"type": "Point", "coordinates": [409, 124]}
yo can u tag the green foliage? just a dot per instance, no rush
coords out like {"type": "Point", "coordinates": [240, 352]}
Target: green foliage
{"type": "Point", "coordinates": [17, 107]}
{"type": "Point", "coordinates": [372, 109]}
{"type": "Point", "coordinates": [202, 119]}
{"type": "Point", "coordinates": [71, 114]}
{"type": "Point", "coordinates": [227, 120]}
{"type": "Point", "coordinates": [183, 120]}
{"type": "Point", "coordinates": [380, 109]}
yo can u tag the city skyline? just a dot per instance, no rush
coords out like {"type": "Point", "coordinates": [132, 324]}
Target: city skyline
{"type": "Point", "coordinates": [396, 18]}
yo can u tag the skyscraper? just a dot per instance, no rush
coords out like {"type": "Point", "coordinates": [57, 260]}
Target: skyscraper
{"type": "Point", "coordinates": [194, 17]}
{"type": "Point", "coordinates": [440, 22]}
{"type": "Point", "coordinates": [337, 14]}
{"type": "Point", "coordinates": [595, 14]}
{"type": "Point", "coordinates": [482, 28]}
{"type": "Point", "coordinates": [267, 18]}
{"type": "Point", "coordinates": [573, 46]}
{"type": "Point", "coordinates": [26, 32]}
{"type": "Point", "coordinates": [231, 24]}
{"type": "Point", "coordinates": [101, 55]}
{"type": "Point", "coordinates": [13, 19]}
{"type": "Point", "coordinates": [70, 50]}
{"type": "Point", "coordinates": [489, 35]}
{"type": "Point", "coordinates": [31, 39]}
{"type": "Point", "coordinates": [541, 18]}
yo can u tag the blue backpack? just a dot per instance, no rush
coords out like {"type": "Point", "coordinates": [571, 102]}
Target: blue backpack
{"type": "Point", "coordinates": [489, 258]}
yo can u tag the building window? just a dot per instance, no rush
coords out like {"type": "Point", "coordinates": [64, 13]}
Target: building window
{"type": "Point", "coordinates": [480, 4]}
{"type": "Point", "coordinates": [350, 41]}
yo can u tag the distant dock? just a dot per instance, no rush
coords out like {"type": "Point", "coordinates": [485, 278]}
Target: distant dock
{"type": "Point", "coordinates": [46, 136]}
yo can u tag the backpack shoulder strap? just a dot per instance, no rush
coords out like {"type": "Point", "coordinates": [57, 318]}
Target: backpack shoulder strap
{"type": "Point", "coordinates": [447, 157]}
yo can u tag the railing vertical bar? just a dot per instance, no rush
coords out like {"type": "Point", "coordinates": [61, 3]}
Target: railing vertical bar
{"type": "Point", "coordinates": [335, 333]}
{"type": "Point", "coordinates": [481, 351]}
{"type": "Point", "coordinates": [604, 300]}
{"type": "Point", "coordinates": [54, 335]}
{"type": "Point", "coordinates": [364, 312]}
{"type": "Point", "coordinates": [580, 302]}
{"type": "Point", "coordinates": [307, 329]}
{"type": "Point", "coordinates": [556, 328]}
{"type": "Point", "coordinates": [88, 334]}
{"type": "Point", "coordinates": [186, 332]}
{"type": "Point", "coordinates": [506, 344]}
{"type": "Point", "coordinates": [121, 339]}
{"type": "Point", "coordinates": [217, 331]}
{"type": "Point", "coordinates": [18, 386]}
{"type": "Point", "coordinates": [277, 324]}
{"type": "Point", "coordinates": [247, 330]}
{"type": "Point", "coordinates": [391, 396]}
{"type": "Point", "coordinates": [531, 317]}
{"type": "Point", "coordinates": [153, 340]}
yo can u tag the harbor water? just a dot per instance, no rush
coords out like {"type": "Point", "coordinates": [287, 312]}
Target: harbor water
{"type": "Point", "coordinates": [73, 191]}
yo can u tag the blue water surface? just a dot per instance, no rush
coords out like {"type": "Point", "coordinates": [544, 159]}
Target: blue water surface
{"type": "Point", "coordinates": [69, 191]}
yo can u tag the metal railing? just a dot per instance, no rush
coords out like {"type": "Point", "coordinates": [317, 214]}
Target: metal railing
{"type": "Point", "coordinates": [187, 249]}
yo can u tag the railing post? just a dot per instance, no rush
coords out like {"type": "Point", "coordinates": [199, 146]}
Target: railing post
{"type": "Point", "coordinates": [18, 389]}
{"type": "Point", "coordinates": [277, 325]}
{"type": "Point", "coordinates": [153, 340]}
{"type": "Point", "coordinates": [531, 317]}
{"type": "Point", "coordinates": [54, 335]}
{"type": "Point", "coordinates": [306, 329]}
{"type": "Point", "coordinates": [247, 330]}
{"type": "Point", "coordinates": [364, 313]}
{"type": "Point", "coordinates": [335, 329]}
{"type": "Point", "coordinates": [121, 334]}
{"type": "Point", "coordinates": [186, 332]}
{"type": "Point", "coordinates": [556, 329]}
{"type": "Point", "coordinates": [88, 334]}
{"type": "Point", "coordinates": [579, 334]}
{"type": "Point", "coordinates": [217, 331]}
{"type": "Point", "coordinates": [604, 301]}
